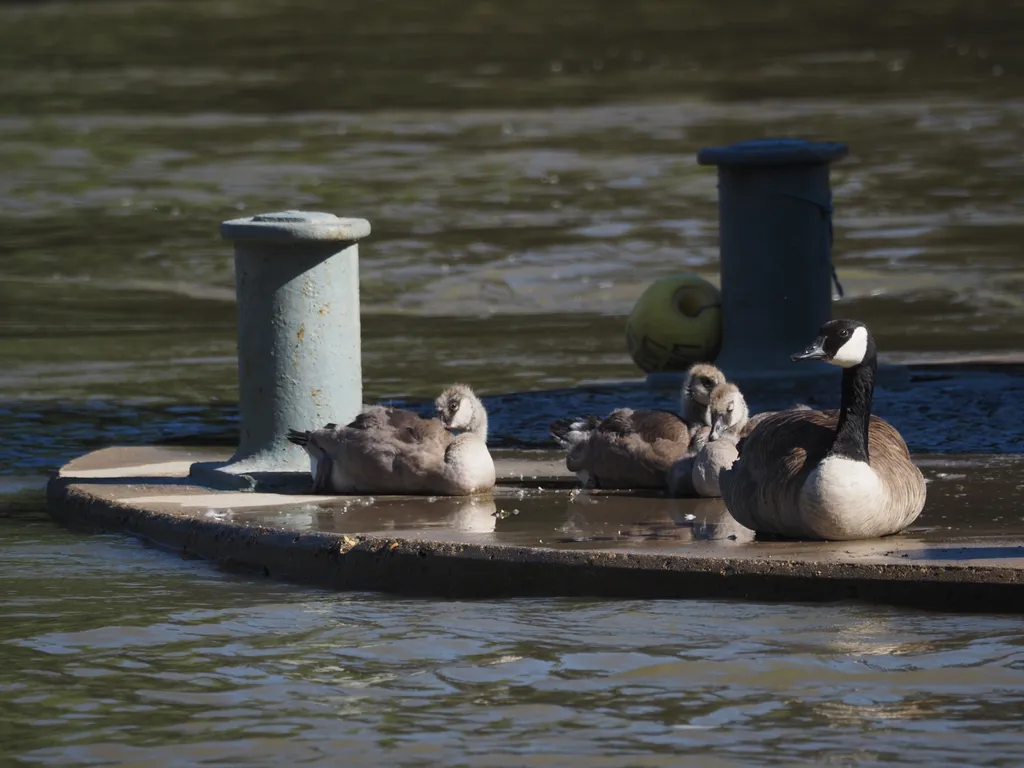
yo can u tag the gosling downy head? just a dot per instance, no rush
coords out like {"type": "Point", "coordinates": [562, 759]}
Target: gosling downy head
{"type": "Point", "coordinates": [700, 382]}
{"type": "Point", "coordinates": [728, 410]}
{"type": "Point", "coordinates": [458, 407]}
{"type": "Point", "coordinates": [845, 343]}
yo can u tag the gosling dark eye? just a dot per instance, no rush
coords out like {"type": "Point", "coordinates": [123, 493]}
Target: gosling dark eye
{"type": "Point", "coordinates": [729, 409]}
{"type": "Point", "coordinates": [706, 382]}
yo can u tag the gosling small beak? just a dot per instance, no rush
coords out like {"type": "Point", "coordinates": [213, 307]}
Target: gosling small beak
{"type": "Point", "coordinates": [814, 352]}
{"type": "Point", "coordinates": [717, 425]}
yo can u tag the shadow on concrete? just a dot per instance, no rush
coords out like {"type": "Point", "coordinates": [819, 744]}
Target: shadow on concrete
{"type": "Point", "coordinates": [128, 480]}
{"type": "Point", "coordinates": [961, 554]}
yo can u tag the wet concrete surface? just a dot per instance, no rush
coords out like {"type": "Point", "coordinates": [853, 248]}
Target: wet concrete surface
{"type": "Point", "coordinates": [537, 534]}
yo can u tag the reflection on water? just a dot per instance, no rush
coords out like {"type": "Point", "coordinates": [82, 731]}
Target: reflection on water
{"type": "Point", "coordinates": [527, 168]}
{"type": "Point", "coordinates": [510, 515]}
{"type": "Point", "coordinates": [972, 514]}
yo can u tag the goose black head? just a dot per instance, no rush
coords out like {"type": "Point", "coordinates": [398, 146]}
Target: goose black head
{"type": "Point", "coordinates": [845, 343]}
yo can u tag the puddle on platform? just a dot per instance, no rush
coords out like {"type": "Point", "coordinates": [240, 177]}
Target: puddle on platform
{"type": "Point", "coordinates": [970, 498]}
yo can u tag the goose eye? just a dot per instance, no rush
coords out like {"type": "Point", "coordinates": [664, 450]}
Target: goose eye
{"type": "Point", "coordinates": [706, 381]}
{"type": "Point", "coordinates": [844, 333]}
{"type": "Point", "coordinates": [729, 409]}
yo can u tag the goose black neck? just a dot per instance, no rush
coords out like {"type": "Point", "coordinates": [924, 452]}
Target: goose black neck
{"type": "Point", "coordinates": [851, 440]}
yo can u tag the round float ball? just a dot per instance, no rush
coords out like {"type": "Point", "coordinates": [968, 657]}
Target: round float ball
{"type": "Point", "coordinates": [675, 323]}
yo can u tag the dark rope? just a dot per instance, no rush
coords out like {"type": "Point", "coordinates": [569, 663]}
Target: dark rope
{"type": "Point", "coordinates": [826, 211]}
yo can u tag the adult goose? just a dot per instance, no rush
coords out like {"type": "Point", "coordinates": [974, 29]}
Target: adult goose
{"type": "Point", "coordinates": [635, 449]}
{"type": "Point", "coordinates": [828, 474]}
{"type": "Point", "coordinates": [387, 450]}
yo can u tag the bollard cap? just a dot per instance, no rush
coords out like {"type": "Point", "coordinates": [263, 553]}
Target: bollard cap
{"type": "Point", "coordinates": [295, 226]}
{"type": "Point", "coordinates": [773, 152]}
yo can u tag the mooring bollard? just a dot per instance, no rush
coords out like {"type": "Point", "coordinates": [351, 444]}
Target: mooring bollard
{"type": "Point", "coordinates": [775, 232]}
{"type": "Point", "coordinates": [299, 362]}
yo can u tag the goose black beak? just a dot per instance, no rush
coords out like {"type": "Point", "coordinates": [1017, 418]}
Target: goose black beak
{"type": "Point", "coordinates": [814, 352]}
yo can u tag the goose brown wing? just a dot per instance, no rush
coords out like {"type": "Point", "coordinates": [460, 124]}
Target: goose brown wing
{"type": "Point", "coordinates": [775, 459]}
{"type": "Point", "coordinates": [413, 428]}
{"type": "Point", "coordinates": [371, 417]}
{"type": "Point", "coordinates": [885, 443]}
{"type": "Point", "coordinates": [416, 446]}
{"type": "Point", "coordinates": [629, 462]}
{"type": "Point", "coordinates": [903, 481]}
{"type": "Point", "coordinates": [386, 459]}
{"type": "Point", "coordinates": [405, 425]}
{"type": "Point", "coordinates": [757, 418]}
{"type": "Point", "coordinates": [649, 426]}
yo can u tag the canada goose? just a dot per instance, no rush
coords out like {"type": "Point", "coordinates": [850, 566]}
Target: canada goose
{"type": "Point", "coordinates": [391, 451]}
{"type": "Point", "coordinates": [634, 449]}
{"type": "Point", "coordinates": [827, 474]}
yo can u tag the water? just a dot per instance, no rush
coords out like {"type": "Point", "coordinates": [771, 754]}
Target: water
{"type": "Point", "coordinates": [527, 171]}
{"type": "Point", "coordinates": [179, 664]}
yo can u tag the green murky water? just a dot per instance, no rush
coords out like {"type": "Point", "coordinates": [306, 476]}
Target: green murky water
{"type": "Point", "coordinates": [527, 168]}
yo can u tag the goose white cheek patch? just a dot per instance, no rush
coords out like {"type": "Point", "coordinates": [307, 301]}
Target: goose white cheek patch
{"type": "Point", "coordinates": [853, 351]}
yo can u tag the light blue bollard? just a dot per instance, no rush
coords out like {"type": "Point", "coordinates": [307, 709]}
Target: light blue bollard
{"type": "Point", "coordinates": [299, 362]}
{"type": "Point", "coordinates": [775, 231]}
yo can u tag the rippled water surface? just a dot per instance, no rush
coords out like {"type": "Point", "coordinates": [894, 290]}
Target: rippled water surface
{"type": "Point", "coordinates": [119, 655]}
{"type": "Point", "coordinates": [527, 169]}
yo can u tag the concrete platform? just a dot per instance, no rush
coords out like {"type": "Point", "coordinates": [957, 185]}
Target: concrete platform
{"type": "Point", "coordinates": [537, 535]}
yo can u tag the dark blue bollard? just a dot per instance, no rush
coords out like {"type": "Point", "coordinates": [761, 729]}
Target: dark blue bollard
{"type": "Point", "coordinates": [775, 230]}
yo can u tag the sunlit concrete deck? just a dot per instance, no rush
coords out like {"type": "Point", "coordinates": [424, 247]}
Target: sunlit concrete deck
{"type": "Point", "coordinates": [536, 535]}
